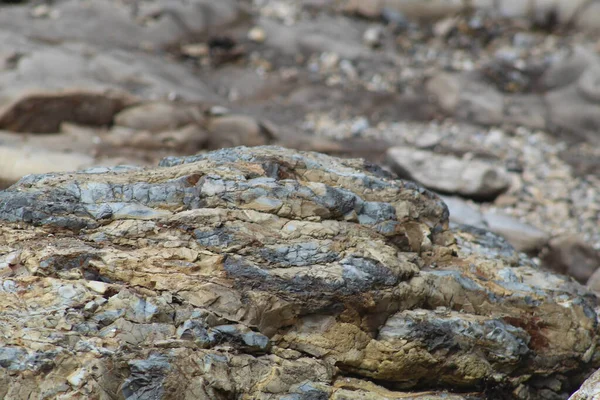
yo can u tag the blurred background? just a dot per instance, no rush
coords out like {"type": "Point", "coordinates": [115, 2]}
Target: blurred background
{"type": "Point", "coordinates": [493, 104]}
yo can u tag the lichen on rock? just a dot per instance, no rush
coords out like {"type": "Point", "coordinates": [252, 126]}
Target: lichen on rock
{"type": "Point", "coordinates": [269, 273]}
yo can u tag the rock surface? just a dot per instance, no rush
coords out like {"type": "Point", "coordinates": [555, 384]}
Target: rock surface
{"type": "Point", "coordinates": [269, 273]}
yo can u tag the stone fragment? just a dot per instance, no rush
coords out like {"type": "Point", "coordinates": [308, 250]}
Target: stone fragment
{"type": "Point", "coordinates": [463, 213]}
{"type": "Point", "coordinates": [156, 117]}
{"type": "Point", "coordinates": [448, 174]}
{"type": "Point", "coordinates": [522, 236]}
{"type": "Point", "coordinates": [235, 130]}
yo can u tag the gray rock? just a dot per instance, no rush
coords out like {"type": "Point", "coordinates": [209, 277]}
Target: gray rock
{"type": "Point", "coordinates": [522, 236]}
{"type": "Point", "coordinates": [146, 378]}
{"type": "Point", "coordinates": [570, 112]}
{"type": "Point", "coordinates": [462, 213]}
{"type": "Point", "coordinates": [448, 174]}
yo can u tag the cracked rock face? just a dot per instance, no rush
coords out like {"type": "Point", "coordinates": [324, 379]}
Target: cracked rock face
{"type": "Point", "coordinates": [268, 273]}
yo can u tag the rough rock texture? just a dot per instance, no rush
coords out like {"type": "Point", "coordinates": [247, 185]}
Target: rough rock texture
{"type": "Point", "coordinates": [267, 273]}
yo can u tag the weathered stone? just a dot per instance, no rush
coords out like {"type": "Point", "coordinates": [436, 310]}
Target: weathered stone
{"type": "Point", "coordinates": [568, 102]}
{"type": "Point", "coordinates": [448, 174]}
{"type": "Point", "coordinates": [271, 274]}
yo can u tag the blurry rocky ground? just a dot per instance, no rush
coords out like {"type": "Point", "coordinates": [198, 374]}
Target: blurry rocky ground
{"type": "Point", "coordinates": [494, 104]}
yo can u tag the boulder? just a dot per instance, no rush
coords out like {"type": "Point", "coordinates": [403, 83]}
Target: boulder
{"type": "Point", "coordinates": [270, 273]}
{"type": "Point", "coordinates": [448, 174]}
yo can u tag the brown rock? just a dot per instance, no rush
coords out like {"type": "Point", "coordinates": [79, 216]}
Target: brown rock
{"type": "Point", "coordinates": [44, 111]}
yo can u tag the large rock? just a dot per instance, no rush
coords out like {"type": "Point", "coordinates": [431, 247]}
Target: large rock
{"type": "Point", "coordinates": [270, 273]}
{"type": "Point", "coordinates": [449, 174]}
{"type": "Point", "coordinates": [44, 111]}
